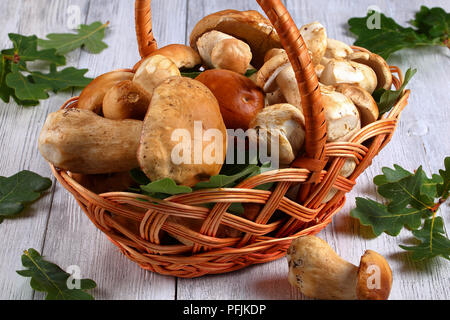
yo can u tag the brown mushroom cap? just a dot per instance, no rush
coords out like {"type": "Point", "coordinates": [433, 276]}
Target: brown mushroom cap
{"type": "Point", "coordinates": [183, 56]}
{"type": "Point", "coordinates": [178, 103]}
{"type": "Point", "coordinates": [249, 26]}
{"type": "Point", "coordinates": [126, 100]}
{"type": "Point", "coordinates": [91, 98]}
{"type": "Point", "coordinates": [240, 99]}
{"type": "Point", "coordinates": [374, 277]}
{"type": "Point", "coordinates": [378, 64]}
{"type": "Point", "coordinates": [363, 100]}
{"type": "Point", "coordinates": [153, 71]}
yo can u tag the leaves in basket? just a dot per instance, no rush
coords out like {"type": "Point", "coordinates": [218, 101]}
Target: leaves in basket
{"type": "Point", "coordinates": [412, 197]}
{"type": "Point", "coordinates": [224, 181]}
{"type": "Point", "coordinates": [385, 36]}
{"type": "Point", "coordinates": [50, 278]}
{"type": "Point", "coordinates": [195, 73]}
{"type": "Point", "coordinates": [433, 241]}
{"type": "Point", "coordinates": [386, 99]}
{"type": "Point", "coordinates": [88, 36]}
{"type": "Point", "coordinates": [19, 190]}
{"type": "Point", "coordinates": [166, 187]}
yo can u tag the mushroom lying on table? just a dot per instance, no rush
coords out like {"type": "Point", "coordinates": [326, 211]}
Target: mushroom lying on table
{"type": "Point", "coordinates": [317, 270]}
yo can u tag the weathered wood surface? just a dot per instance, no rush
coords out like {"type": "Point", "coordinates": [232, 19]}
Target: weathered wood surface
{"type": "Point", "coordinates": [57, 227]}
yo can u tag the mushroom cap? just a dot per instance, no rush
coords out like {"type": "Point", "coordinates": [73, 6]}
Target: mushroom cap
{"type": "Point", "coordinates": [343, 71]}
{"type": "Point", "coordinates": [266, 76]}
{"type": "Point", "coordinates": [319, 272]}
{"type": "Point", "coordinates": [153, 71]}
{"type": "Point", "coordinates": [378, 65]}
{"type": "Point", "coordinates": [180, 103]}
{"type": "Point", "coordinates": [272, 53]}
{"type": "Point", "coordinates": [363, 100]}
{"type": "Point", "coordinates": [337, 50]}
{"type": "Point", "coordinates": [315, 36]}
{"type": "Point", "coordinates": [288, 122]}
{"type": "Point", "coordinates": [126, 100]}
{"type": "Point", "coordinates": [91, 98]}
{"type": "Point", "coordinates": [374, 277]}
{"type": "Point", "coordinates": [231, 54]}
{"type": "Point", "coordinates": [183, 56]}
{"type": "Point", "coordinates": [341, 115]}
{"type": "Point", "coordinates": [240, 99]}
{"type": "Point", "coordinates": [248, 26]}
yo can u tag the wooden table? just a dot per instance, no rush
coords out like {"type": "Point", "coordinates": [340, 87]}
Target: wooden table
{"type": "Point", "coordinates": [56, 226]}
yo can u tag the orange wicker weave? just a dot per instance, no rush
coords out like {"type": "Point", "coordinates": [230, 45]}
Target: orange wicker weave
{"type": "Point", "coordinates": [120, 214]}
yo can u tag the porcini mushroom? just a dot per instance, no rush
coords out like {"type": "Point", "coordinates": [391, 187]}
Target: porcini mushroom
{"type": "Point", "coordinates": [126, 100]}
{"type": "Point", "coordinates": [336, 50]}
{"type": "Point", "coordinates": [377, 64]}
{"type": "Point", "coordinates": [183, 56]}
{"type": "Point", "coordinates": [344, 71]}
{"type": "Point", "coordinates": [248, 26]}
{"type": "Point", "coordinates": [266, 76]}
{"type": "Point", "coordinates": [154, 70]}
{"type": "Point", "coordinates": [182, 108]}
{"type": "Point", "coordinates": [315, 37]}
{"type": "Point", "coordinates": [317, 270]}
{"type": "Point", "coordinates": [363, 100]}
{"type": "Point", "coordinates": [221, 51]}
{"type": "Point", "coordinates": [91, 98]}
{"type": "Point", "coordinates": [240, 99]}
{"type": "Point", "coordinates": [285, 121]}
{"type": "Point", "coordinates": [81, 141]}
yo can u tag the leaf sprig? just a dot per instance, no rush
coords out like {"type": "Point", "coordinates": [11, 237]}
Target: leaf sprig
{"type": "Point", "coordinates": [413, 201]}
{"type": "Point", "coordinates": [25, 86]}
{"type": "Point", "coordinates": [431, 29]}
{"type": "Point", "coordinates": [50, 278]}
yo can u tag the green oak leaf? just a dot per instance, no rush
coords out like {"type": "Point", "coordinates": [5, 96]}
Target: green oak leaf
{"type": "Point", "coordinates": [25, 48]}
{"type": "Point", "coordinates": [386, 99]}
{"type": "Point", "coordinates": [165, 186]}
{"type": "Point", "coordinates": [50, 278]}
{"type": "Point", "coordinates": [24, 87]}
{"type": "Point", "coordinates": [389, 36]}
{"type": "Point", "coordinates": [5, 68]}
{"type": "Point", "coordinates": [434, 23]}
{"type": "Point", "coordinates": [376, 215]}
{"type": "Point", "coordinates": [224, 181]}
{"type": "Point", "coordinates": [20, 189]}
{"type": "Point", "coordinates": [433, 241]}
{"type": "Point", "coordinates": [88, 36]}
{"type": "Point", "coordinates": [62, 80]}
{"type": "Point", "coordinates": [194, 73]}
{"type": "Point", "coordinates": [405, 191]}
{"type": "Point", "coordinates": [443, 188]}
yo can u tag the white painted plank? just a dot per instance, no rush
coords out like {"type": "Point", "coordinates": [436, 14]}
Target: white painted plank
{"type": "Point", "coordinates": [18, 140]}
{"type": "Point", "coordinates": [412, 280]}
{"type": "Point", "coordinates": [71, 237]}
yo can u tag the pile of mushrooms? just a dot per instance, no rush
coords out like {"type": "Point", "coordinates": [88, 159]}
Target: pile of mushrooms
{"type": "Point", "coordinates": [125, 119]}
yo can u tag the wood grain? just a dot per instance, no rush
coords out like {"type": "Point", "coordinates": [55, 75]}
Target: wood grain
{"type": "Point", "coordinates": [59, 229]}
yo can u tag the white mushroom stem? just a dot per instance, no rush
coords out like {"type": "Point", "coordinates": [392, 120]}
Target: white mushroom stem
{"type": "Point", "coordinates": [222, 51]}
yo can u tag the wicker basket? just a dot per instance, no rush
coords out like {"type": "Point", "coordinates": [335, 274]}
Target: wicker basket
{"type": "Point", "coordinates": [263, 239]}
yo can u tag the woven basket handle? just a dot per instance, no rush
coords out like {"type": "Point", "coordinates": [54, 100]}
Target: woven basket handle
{"type": "Point", "coordinates": [293, 43]}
